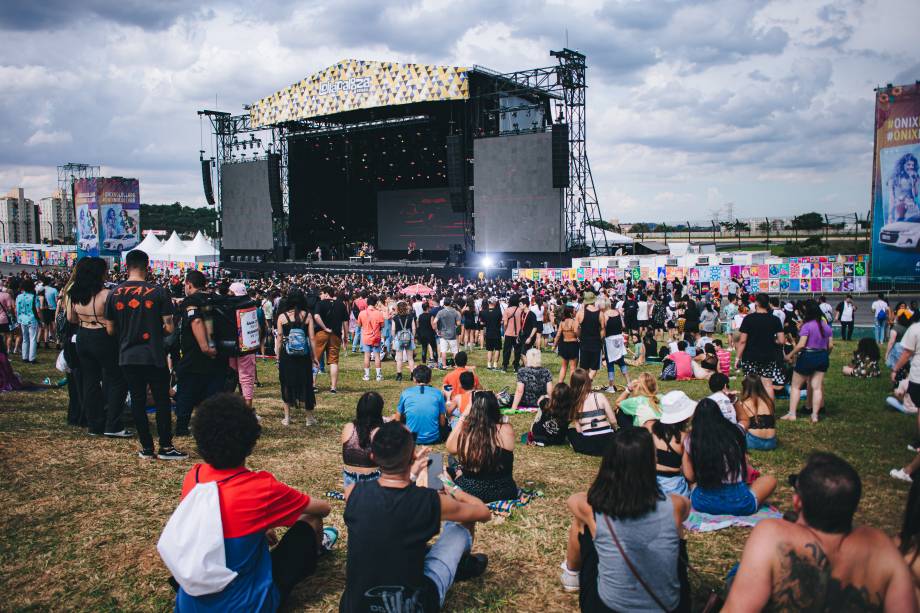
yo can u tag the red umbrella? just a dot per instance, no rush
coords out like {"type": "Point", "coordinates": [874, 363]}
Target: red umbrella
{"type": "Point", "coordinates": [417, 290]}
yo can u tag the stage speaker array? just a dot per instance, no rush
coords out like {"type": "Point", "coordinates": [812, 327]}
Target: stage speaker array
{"type": "Point", "coordinates": [274, 183]}
{"type": "Point", "coordinates": [560, 155]}
{"type": "Point", "coordinates": [206, 181]}
{"type": "Point", "coordinates": [456, 179]}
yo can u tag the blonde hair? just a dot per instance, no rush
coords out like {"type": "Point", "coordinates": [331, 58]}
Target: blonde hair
{"type": "Point", "coordinates": [648, 387]}
{"type": "Point", "coordinates": [533, 358]}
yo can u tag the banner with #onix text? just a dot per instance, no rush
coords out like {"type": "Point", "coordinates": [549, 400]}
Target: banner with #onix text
{"type": "Point", "coordinates": [86, 209]}
{"type": "Point", "coordinates": [896, 184]}
{"type": "Point", "coordinates": [119, 214]}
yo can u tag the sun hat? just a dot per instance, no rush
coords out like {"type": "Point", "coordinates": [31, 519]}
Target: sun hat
{"type": "Point", "coordinates": [676, 406]}
{"type": "Point", "coordinates": [588, 298]}
{"type": "Point", "coordinates": [237, 289]}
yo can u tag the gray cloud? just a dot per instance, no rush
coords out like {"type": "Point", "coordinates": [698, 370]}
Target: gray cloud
{"type": "Point", "coordinates": [56, 14]}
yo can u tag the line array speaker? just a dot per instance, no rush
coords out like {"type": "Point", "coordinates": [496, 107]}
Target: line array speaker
{"type": "Point", "coordinates": [560, 155]}
{"type": "Point", "coordinates": [206, 181]}
{"type": "Point", "coordinates": [456, 179]}
{"type": "Point", "coordinates": [274, 183]}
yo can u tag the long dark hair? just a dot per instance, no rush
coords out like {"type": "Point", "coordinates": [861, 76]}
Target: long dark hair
{"type": "Point", "coordinates": [478, 444]}
{"type": "Point", "coordinates": [559, 403]}
{"type": "Point", "coordinates": [813, 313]}
{"type": "Point", "coordinates": [368, 417]}
{"type": "Point", "coordinates": [717, 447]}
{"type": "Point", "coordinates": [625, 486]}
{"type": "Point", "coordinates": [580, 384]}
{"type": "Point", "coordinates": [88, 279]}
{"type": "Point", "coordinates": [868, 348]}
{"type": "Point", "coordinates": [910, 528]}
{"type": "Point", "coordinates": [669, 432]}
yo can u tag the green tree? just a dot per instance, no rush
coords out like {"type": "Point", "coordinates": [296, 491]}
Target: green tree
{"type": "Point", "coordinates": [177, 218]}
{"type": "Point", "coordinates": [639, 229]}
{"type": "Point", "coordinates": [808, 221]}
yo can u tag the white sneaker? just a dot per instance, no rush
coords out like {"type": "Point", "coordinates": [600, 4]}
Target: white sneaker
{"type": "Point", "coordinates": [611, 389]}
{"type": "Point", "coordinates": [366, 378]}
{"type": "Point", "coordinates": [900, 475]}
{"type": "Point", "coordinates": [569, 578]}
{"type": "Point", "coordinates": [379, 377]}
{"type": "Point", "coordinates": [310, 420]}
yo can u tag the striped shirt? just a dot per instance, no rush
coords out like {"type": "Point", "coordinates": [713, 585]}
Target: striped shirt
{"type": "Point", "coordinates": [593, 421]}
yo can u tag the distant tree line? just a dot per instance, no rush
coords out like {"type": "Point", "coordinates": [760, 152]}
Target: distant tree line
{"type": "Point", "coordinates": [185, 220]}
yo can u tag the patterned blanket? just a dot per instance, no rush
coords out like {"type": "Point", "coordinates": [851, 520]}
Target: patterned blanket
{"type": "Point", "coordinates": [704, 522]}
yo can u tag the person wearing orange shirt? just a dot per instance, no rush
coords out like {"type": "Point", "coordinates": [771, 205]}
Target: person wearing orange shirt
{"type": "Point", "coordinates": [451, 382]}
{"type": "Point", "coordinates": [371, 321]}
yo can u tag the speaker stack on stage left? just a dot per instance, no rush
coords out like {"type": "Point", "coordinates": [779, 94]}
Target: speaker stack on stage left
{"type": "Point", "coordinates": [456, 177]}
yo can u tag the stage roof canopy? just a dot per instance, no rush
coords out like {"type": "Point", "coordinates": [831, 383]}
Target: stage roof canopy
{"type": "Point", "coordinates": [360, 84]}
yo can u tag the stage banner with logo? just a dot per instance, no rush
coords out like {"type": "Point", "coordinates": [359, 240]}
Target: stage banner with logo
{"type": "Point", "coordinates": [87, 210]}
{"type": "Point", "coordinates": [896, 184]}
{"type": "Point", "coordinates": [119, 210]}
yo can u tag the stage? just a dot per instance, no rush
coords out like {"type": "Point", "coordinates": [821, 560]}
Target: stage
{"type": "Point", "coordinates": [440, 270]}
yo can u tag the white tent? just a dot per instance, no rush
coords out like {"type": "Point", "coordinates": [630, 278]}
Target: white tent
{"type": "Point", "coordinates": [201, 248]}
{"type": "Point", "coordinates": [151, 245]}
{"type": "Point", "coordinates": [173, 250]}
{"type": "Point", "coordinates": [615, 238]}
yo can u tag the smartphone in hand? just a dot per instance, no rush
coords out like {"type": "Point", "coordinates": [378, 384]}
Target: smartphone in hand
{"type": "Point", "coordinates": [435, 468]}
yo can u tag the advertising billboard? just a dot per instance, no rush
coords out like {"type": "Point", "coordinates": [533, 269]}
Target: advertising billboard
{"type": "Point", "coordinates": [896, 184]}
{"type": "Point", "coordinates": [359, 84]}
{"type": "Point", "coordinates": [119, 214]}
{"type": "Point", "coordinates": [87, 211]}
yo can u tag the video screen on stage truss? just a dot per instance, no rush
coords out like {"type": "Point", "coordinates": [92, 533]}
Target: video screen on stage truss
{"type": "Point", "coordinates": [516, 206]}
{"type": "Point", "coordinates": [423, 216]}
{"type": "Point", "coordinates": [246, 207]}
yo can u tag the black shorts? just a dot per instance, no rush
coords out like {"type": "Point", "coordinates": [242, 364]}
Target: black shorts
{"type": "Point", "coordinates": [493, 343]}
{"type": "Point", "coordinates": [590, 359]}
{"type": "Point", "coordinates": [809, 362]}
{"type": "Point", "coordinates": [47, 317]}
{"type": "Point", "coordinates": [568, 350]}
{"type": "Point", "coordinates": [913, 390]}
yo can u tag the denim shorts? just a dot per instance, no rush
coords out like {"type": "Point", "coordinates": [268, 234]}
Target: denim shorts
{"type": "Point", "coordinates": [760, 444]}
{"type": "Point", "coordinates": [370, 348]}
{"type": "Point", "coordinates": [444, 556]}
{"type": "Point", "coordinates": [350, 478]}
{"type": "Point", "coordinates": [675, 484]}
{"type": "Point", "coordinates": [811, 361]}
{"type": "Point", "coordinates": [730, 499]}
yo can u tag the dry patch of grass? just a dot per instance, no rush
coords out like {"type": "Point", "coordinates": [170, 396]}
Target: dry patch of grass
{"type": "Point", "coordinates": [80, 516]}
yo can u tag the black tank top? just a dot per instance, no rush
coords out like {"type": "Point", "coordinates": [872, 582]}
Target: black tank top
{"type": "Point", "coordinates": [614, 326]}
{"type": "Point", "coordinates": [591, 329]}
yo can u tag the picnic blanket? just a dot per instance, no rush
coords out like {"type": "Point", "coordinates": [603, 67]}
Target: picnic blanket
{"type": "Point", "coordinates": [519, 410]}
{"type": "Point", "coordinates": [704, 522]}
{"type": "Point", "coordinates": [504, 508]}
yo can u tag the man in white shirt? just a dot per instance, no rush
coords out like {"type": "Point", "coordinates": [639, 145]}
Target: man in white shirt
{"type": "Point", "coordinates": [777, 312]}
{"type": "Point", "coordinates": [846, 311]}
{"type": "Point", "coordinates": [642, 313]}
{"type": "Point", "coordinates": [826, 309]}
{"type": "Point", "coordinates": [718, 385]}
{"type": "Point", "coordinates": [880, 317]}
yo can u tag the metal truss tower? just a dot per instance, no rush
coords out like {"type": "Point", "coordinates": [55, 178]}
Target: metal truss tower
{"type": "Point", "coordinates": [67, 175]}
{"type": "Point", "coordinates": [567, 80]}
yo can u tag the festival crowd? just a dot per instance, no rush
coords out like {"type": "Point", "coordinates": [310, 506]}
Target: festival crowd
{"type": "Point", "coordinates": [132, 343]}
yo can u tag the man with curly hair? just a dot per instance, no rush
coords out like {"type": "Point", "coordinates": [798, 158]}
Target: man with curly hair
{"type": "Point", "coordinates": [252, 504]}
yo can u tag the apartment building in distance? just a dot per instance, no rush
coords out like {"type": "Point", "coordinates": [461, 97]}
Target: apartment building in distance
{"type": "Point", "coordinates": [56, 218]}
{"type": "Point", "coordinates": [18, 218]}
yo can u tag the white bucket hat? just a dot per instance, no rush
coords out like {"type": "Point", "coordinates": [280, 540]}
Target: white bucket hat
{"type": "Point", "coordinates": [676, 406]}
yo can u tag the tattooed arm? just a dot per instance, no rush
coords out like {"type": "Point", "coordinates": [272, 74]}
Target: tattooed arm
{"type": "Point", "coordinates": [753, 583]}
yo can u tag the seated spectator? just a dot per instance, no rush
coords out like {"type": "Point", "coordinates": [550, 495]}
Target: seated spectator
{"type": "Point", "coordinates": [390, 522]}
{"type": "Point", "coordinates": [716, 460]}
{"type": "Point", "coordinates": [625, 511]}
{"type": "Point", "coordinates": [635, 353]}
{"type": "Point", "coordinates": [484, 446]}
{"type": "Point", "coordinates": [534, 381]}
{"type": "Point", "coordinates": [718, 385]}
{"type": "Point", "coordinates": [683, 362]}
{"type": "Point", "coordinates": [705, 363]}
{"type": "Point", "coordinates": [356, 440]}
{"type": "Point", "coordinates": [639, 402]}
{"type": "Point", "coordinates": [11, 381]}
{"type": "Point", "coordinates": [252, 503]}
{"type": "Point", "coordinates": [590, 419]}
{"type": "Point", "coordinates": [724, 356]}
{"type": "Point", "coordinates": [865, 360]}
{"type": "Point", "coordinates": [551, 421]}
{"type": "Point", "coordinates": [461, 403]}
{"type": "Point", "coordinates": [650, 345]}
{"type": "Point", "coordinates": [908, 541]}
{"type": "Point", "coordinates": [668, 434]}
{"type": "Point", "coordinates": [900, 400]}
{"type": "Point", "coordinates": [452, 379]}
{"type": "Point", "coordinates": [423, 408]}
{"type": "Point", "coordinates": [756, 415]}
{"type": "Point", "coordinates": [821, 562]}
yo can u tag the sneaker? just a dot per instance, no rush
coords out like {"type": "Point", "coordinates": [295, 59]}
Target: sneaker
{"type": "Point", "coordinates": [330, 537]}
{"type": "Point", "coordinates": [471, 565]}
{"type": "Point", "coordinates": [146, 454]}
{"type": "Point", "coordinates": [569, 578]}
{"type": "Point", "coordinates": [333, 391]}
{"type": "Point", "coordinates": [310, 420]}
{"type": "Point", "coordinates": [399, 376]}
{"type": "Point", "coordinates": [900, 475]}
{"type": "Point", "coordinates": [171, 453]}
{"type": "Point", "coordinates": [366, 378]}
{"type": "Point", "coordinates": [285, 422]}
{"type": "Point", "coordinates": [611, 389]}
{"type": "Point", "coordinates": [123, 433]}
{"type": "Point", "coordinates": [379, 377]}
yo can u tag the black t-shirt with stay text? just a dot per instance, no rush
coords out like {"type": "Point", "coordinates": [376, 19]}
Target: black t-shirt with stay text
{"type": "Point", "coordinates": [761, 330]}
{"type": "Point", "coordinates": [388, 530]}
{"type": "Point", "coordinates": [138, 308]}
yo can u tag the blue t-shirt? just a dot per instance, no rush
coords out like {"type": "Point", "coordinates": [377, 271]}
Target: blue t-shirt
{"type": "Point", "coordinates": [25, 308]}
{"type": "Point", "coordinates": [51, 296]}
{"type": "Point", "coordinates": [422, 405]}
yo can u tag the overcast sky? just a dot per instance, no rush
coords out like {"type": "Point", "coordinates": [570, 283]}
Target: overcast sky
{"type": "Point", "coordinates": [691, 105]}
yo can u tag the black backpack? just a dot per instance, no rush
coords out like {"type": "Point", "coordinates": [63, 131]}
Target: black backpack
{"type": "Point", "coordinates": [236, 324]}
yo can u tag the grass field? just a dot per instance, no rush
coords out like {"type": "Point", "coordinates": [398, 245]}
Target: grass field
{"type": "Point", "coordinates": [80, 516]}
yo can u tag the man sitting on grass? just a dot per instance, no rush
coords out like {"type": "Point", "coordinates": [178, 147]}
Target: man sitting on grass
{"type": "Point", "coordinates": [424, 409]}
{"type": "Point", "coordinates": [390, 522]}
{"type": "Point", "coordinates": [252, 503]}
{"type": "Point", "coordinates": [822, 562]}
{"type": "Point", "coordinates": [452, 378]}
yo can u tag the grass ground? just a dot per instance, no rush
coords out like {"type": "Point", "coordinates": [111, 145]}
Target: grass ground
{"type": "Point", "coordinates": [79, 517]}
